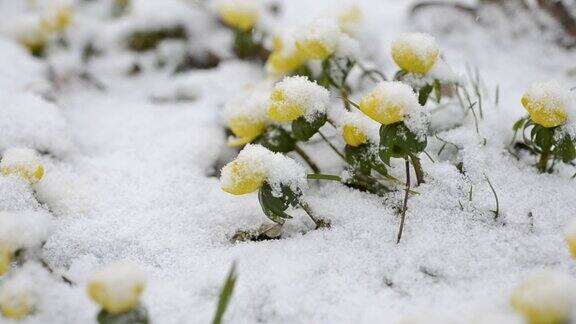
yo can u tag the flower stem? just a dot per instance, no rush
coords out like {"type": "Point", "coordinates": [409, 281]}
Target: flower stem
{"type": "Point", "coordinates": [405, 206]}
{"type": "Point", "coordinates": [306, 159]}
{"type": "Point", "coordinates": [319, 222]}
{"type": "Point", "coordinates": [417, 169]}
{"type": "Point", "coordinates": [319, 176]}
{"type": "Point", "coordinates": [543, 162]}
{"type": "Point", "coordinates": [332, 146]}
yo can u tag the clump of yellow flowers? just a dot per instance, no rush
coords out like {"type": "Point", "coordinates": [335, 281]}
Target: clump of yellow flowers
{"type": "Point", "coordinates": [117, 289]}
{"type": "Point", "coordinates": [23, 163]}
{"type": "Point", "coordinates": [545, 298]}
{"type": "Point", "coordinates": [550, 123]}
{"type": "Point", "coordinates": [17, 297]}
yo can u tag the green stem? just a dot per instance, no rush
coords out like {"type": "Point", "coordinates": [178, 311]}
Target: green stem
{"type": "Point", "coordinates": [345, 99]}
{"type": "Point", "coordinates": [306, 159]}
{"type": "Point", "coordinates": [318, 222]}
{"type": "Point", "coordinates": [543, 162]}
{"type": "Point", "coordinates": [405, 206]}
{"type": "Point", "coordinates": [417, 169]}
{"type": "Point", "coordinates": [319, 176]}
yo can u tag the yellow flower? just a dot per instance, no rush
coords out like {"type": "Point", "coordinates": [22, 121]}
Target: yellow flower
{"type": "Point", "coordinates": [545, 104]}
{"type": "Point", "coordinates": [349, 17]}
{"type": "Point", "coordinates": [6, 255]}
{"type": "Point", "coordinates": [389, 102]}
{"type": "Point", "coordinates": [279, 63]}
{"type": "Point", "coordinates": [16, 299]}
{"type": "Point", "coordinates": [282, 109]}
{"type": "Point", "coordinates": [544, 298]}
{"type": "Point", "coordinates": [353, 136]}
{"type": "Point", "coordinates": [57, 19]}
{"type": "Point", "coordinates": [239, 14]}
{"type": "Point", "coordinates": [246, 129]}
{"type": "Point", "coordinates": [571, 240]}
{"type": "Point", "coordinates": [319, 40]}
{"type": "Point", "coordinates": [240, 177]}
{"type": "Point", "coordinates": [415, 53]}
{"type": "Point", "coordinates": [117, 288]}
{"type": "Point", "coordinates": [22, 162]}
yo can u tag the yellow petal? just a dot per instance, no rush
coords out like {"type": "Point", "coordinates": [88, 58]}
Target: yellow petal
{"type": "Point", "coordinates": [353, 136]}
{"type": "Point", "coordinates": [239, 178]}
{"type": "Point", "coordinates": [6, 255]}
{"type": "Point", "coordinates": [240, 19]}
{"type": "Point", "coordinates": [377, 108]}
{"type": "Point", "coordinates": [244, 126]}
{"type": "Point", "coordinates": [112, 301]}
{"type": "Point", "coordinates": [281, 64]}
{"type": "Point", "coordinates": [314, 49]}
{"type": "Point", "coordinates": [411, 59]}
{"type": "Point", "coordinates": [18, 308]}
{"type": "Point", "coordinates": [281, 109]}
{"type": "Point", "coordinates": [571, 241]}
{"type": "Point", "coordinates": [547, 112]}
{"type": "Point", "coordinates": [58, 20]}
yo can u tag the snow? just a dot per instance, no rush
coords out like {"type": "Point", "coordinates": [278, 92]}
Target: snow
{"type": "Point", "coordinates": [131, 178]}
{"type": "Point", "coordinates": [25, 229]}
{"type": "Point", "coordinates": [420, 44]}
{"type": "Point", "coordinates": [18, 293]}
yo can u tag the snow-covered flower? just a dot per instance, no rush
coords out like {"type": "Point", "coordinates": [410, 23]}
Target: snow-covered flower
{"type": "Point", "coordinates": [571, 239]}
{"type": "Point", "coordinates": [319, 40]}
{"type": "Point", "coordinates": [117, 287]}
{"type": "Point", "coordinates": [239, 14]}
{"type": "Point", "coordinates": [390, 102]}
{"type": "Point", "coordinates": [415, 53]}
{"type": "Point", "coordinates": [545, 298]}
{"type": "Point", "coordinates": [296, 96]}
{"type": "Point", "coordinates": [57, 17]}
{"type": "Point", "coordinates": [246, 116]}
{"type": "Point", "coordinates": [22, 162]}
{"type": "Point", "coordinates": [285, 57]}
{"type": "Point", "coordinates": [17, 297]}
{"type": "Point", "coordinates": [349, 17]}
{"type": "Point", "coordinates": [28, 32]}
{"type": "Point", "coordinates": [256, 165]}
{"type": "Point", "coordinates": [547, 104]}
{"type": "Point", "coordinates": [21, 230]}
{"type": "Point", "coordinates": [353, 135]}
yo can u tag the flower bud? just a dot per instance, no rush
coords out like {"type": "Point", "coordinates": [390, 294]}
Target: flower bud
{"type": "Point", "coordinates": [117, 287]}
{"type": "Point", "coordinates": [547, 104]}
{"type": "Point", "coordinates": [57, 18]}
{"type": "Point", "coordinates": [319, 40]}
{"type": "Point", "coordinates": [17, 298]}
{"type": "Point", "coordinates": [239, 14]}
{"type": "Point", "coordinates": [545, 298]}
{"type": "Point", "coordinates": [389, 102]}
{"type": "Point", "coordinates": [349, 17]}
{"type": "Point", "coordinates": [240, 177]}
{"type": "Point", "coordinates": [22, 162]}
{"type": "Point", "coordinates": [415, 53]}
{"type": "Point", "coordinates": [353, 136]}
{"type": "Point", "coordinates": [295, 97]}
{"type": "Point", "coordinates": [246, 115]}
{"type": "Point", "coordinates": [246, 129]}
{"type": "Point", "coordinates": [571, 239]}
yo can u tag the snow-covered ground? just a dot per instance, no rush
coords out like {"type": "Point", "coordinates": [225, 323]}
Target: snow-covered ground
{"type": "Point", "coordinates": [130, 175]}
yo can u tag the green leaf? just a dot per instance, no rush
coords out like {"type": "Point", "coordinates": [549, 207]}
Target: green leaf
{"type": "Point", "coordinates": [424, 93]}
{"type": "Point", "coordinates": [397, 141]}
{"type": "Point", "coordinates": [303, 129]}
{"type": "Point", "coordinates": [225, 295]}
{"type": "Point", "coordinates": [359, 158]}
{"type": "Point", "coordinates": [137, 315]}
{"type": "Point", "coordinates": [518, 124]}
{"type": "Point", "coordinates": [274, 207]}
{"type": "Point", "coordinates": [543, 137]}
{"type": "Point", "coordinates": [277, 139]}
{"type": "Point", "coordinates": [438, 90]}
{"type": "Point", "coordinates": [565, 149]}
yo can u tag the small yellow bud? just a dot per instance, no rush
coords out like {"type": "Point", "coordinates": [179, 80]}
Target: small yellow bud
{"type": "Point", "coordinates": [282, 109]}
{"type": "Point", "coordinates": [353, 136]}
{"type": "Point", "coordinates": [314, 49]}
{"type": "Point", "coordinates": [6, 255]}
{"type": "Point", "coordinates": [22, 162]}
{"type": "Point", "coordinates": [389, 102]}
{"type": "Point", "coordinates": [17, 299]}
{"type": "Point", "coordinates": [349, 17]}
{"type": "Point", "coordinates": [415, 53]}
{"type": "Point", "coordinates": [546, 104]}
{"type": "Point", "coordinates": [117, 288]}
{"type": "Point", "coordinates": [246, 129]}
{"type": "Point", "coordinates": [239, 14]}
{"type": "Point", "coordinates": [544, 298]}
{"type": "Point", "coordinates": [240, 177]}
{"type": "Point", "coordinates": [279, 63]}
